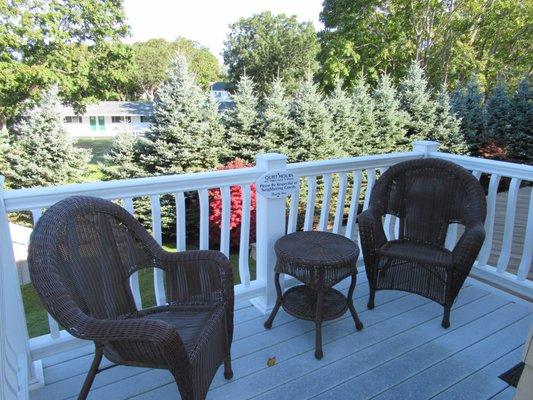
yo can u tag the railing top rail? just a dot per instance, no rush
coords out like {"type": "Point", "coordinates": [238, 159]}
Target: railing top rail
{"type": "Point", "coordinates": [502, 168]}
{"type": "Point", "coordinates": [314, 168]}
{"type": "Point", "coordinates": [27, 199]}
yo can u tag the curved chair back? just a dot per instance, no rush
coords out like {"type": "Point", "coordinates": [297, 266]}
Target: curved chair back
{"type": "Point", "coordinates": [82, 252]}
{"type": "Point", "coordinates": [427, 195]}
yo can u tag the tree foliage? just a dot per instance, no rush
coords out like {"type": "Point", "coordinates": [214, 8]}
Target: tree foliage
{"type": "Point", "coordinates": [450, 39]}
{"type": "Point", "coordinates": [41, 152]}
{"type": "Point", "coordinates": [75, 43]}
{"type": "Point", "coordinates": [468, 104]}
{"type": "Point", "coordinates": [276, 124]}
{"type": "Point", "coordinates": [151, 60]}
{"type": "Point", "coordinates": [266, 45]}
{"type": "Point", "coordinates": [122, 160]}
{"type": "Point", "coordinates": [520, 144]}
{"type": "Point", "coordinates": [447, 126]}
{"type": "Point", "coordinates": [311, 138]}
{"type": "Point", "coordinates": [498, 114]}
{"type": "Point", "coordinates": [390, 120]}
{"type": "Point", "coordinates": [186, 135]}
{"type": "Point", "coordinates": [242, 122]}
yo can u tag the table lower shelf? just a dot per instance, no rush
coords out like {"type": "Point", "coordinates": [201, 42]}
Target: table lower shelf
{"type": "Point", "coordinates": [300, 302]}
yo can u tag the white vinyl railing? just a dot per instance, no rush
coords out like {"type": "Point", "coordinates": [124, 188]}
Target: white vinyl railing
{"type": "Point", "coordinates": [334, 192]}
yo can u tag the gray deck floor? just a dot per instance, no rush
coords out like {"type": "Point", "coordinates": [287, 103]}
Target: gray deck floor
{"type": "Point", "coordinates": [402, 353]}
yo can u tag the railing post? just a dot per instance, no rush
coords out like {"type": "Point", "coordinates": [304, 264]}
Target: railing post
{"type": "Point", "coordinates": [270, 226]}
{"type": "Point", "coordinates": [426, 147]}
{"type": "Point", "coordinates": [16, 331]}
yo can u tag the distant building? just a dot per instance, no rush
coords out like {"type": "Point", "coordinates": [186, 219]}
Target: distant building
{"type": "Point", "coordinates": [108, 118]}
{"type": "Point", "coordinates": [220, 92]}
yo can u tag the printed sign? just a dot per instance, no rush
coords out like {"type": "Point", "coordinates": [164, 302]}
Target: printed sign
{"type": "Point", "coordinates": [277, 184]}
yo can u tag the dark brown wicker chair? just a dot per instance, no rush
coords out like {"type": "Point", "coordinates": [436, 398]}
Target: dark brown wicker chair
{"type": "Point", "coordinates": [426, 195]}
{"type": "Point", "coordinates": [83, 251]}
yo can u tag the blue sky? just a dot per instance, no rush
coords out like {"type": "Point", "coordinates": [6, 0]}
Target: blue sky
{"type": "Point", "coordinates": [207, 21]}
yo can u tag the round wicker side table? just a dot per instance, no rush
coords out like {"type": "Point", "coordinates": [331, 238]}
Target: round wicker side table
{"type": "Point", "coordinates": [319, 260]}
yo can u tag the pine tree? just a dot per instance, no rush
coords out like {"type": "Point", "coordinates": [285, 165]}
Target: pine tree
{"type": "Point", "coordinates": [468, 105]}
{"type": "Point", "coordinates": [311, 137]}
{"type": "Point", "coordinates": [4, 147]}
{"type": "Point", "coordinates": [241, 122]}
{"type": "Point", "coordinates": [498, 114]}
{"type": "Point", "coordinates": [187, 134]}
{"type": "Point", "coordinates": [363, 109]}
{"type": "Point", "coordinates": [416, 100]}
{"type": "Point", "coordinates": [41, 152]}
{"type": "Point", "coordinates": [447, 130]}
{"type": "Point", "coordinates": [122, 160]}
{"type": "Point", "coordinates": [346, 131]}
{"type": "Point", "coordinates": [520, 140]}
{"type": "Point", "coordinates": [275, 120]}
{"type": "Point", "coordinates": [390, 120]}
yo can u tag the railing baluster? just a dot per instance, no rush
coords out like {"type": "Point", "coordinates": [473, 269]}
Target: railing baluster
{"type": "Point", "coordinates": [371, 179]}
{"type": "Point", "coordinates": [477, 174]}
{"type": "Point", "coordinates": [507, 240]}
{"type": "Point", "coordinates": [326, 200]}
{"type": "Point", "coordinates": [54, 326]}
{"type": "Point", "coordinates": [204, 219]}
{"type": "Point", "coordinates": [484, 254]}
{"type": "Point", "coordinates": [226, 215]}
{"type": "Point", "coordinates": [181, 227]}
{"type": "Point", "coordinates": [244, 245]}
{"type": "Point", "coordinates": [354, 205]}
{"type": "Point", "coordinates": [159, 286]}
{"type": "Point", "coordinates": [134, 278]}
{"type": "Point", "coordinates": [293, 210]}
{"type": "Point", "coordinates": [310, 208]}
{"type": "Point", "coordinates": [341, 198]}
{"type": "Point", "coordinates": [451, 237]}
{"type": "Point", "coordinates": [527, 253]}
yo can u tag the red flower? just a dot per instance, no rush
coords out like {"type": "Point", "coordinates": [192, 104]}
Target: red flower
{"type": "Point", "coordinates": [215, 209]}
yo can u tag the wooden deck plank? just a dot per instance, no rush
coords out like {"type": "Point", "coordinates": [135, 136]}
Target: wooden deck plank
{"type": "Point", "coordinates": [506, 394]}
{"type": "Point", "coordinates": [394, 337]}
{"type": "Point", "coordinates": [484, 383]}
{"type": "Point", "coordinates": [431, 381]}
{"type": "Point", "coordinates": [395, 332]}
{"type": "Point", "coordinates": [405, 365]}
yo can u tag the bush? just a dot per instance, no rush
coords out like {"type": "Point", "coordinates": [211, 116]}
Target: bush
{"type": "Point", "coordinates": [215, 209]}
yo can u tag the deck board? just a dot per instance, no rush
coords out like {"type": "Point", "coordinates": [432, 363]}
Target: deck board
{"type": "Point", "coordinates": [401, 349]}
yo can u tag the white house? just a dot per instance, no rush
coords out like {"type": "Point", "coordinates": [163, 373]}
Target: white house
{"type": "Point", "coordinates": [108, 118]}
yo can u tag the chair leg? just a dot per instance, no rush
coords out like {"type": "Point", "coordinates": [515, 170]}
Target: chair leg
{"type": "Point", "coordinates": [228, 371]}
{"type": "Point", "coordinates": [91, 374]}
{"type": "Point", "coordinates": [270, 320]}
{"type": "Point", "coordinates": [371, 298]}
{"type": "Point", "coordinates": [446, 317]}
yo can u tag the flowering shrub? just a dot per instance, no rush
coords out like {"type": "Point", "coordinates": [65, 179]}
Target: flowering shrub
{"type": "Point", "coordinates": [215, 209]}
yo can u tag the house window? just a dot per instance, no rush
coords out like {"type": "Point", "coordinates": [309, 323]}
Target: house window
{"type": "Point", "coordinates": [92, 122]}
{"type": "Point", "coordinates": [147, 118]}
{"type": "Point", "coordinates": [118, 119]}
{"type": "Point", "coordinates": [72, 120]}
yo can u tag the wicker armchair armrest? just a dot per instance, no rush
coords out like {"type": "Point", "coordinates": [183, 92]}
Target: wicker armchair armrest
{"type": "Point", "coordinates": [371, 229]}
{"type": "Point", "coordinates": [199, 276]}
{"type": "Point", "coordinates": [467, 248]}
{"type": "Point", "coordinates": [146, 340]}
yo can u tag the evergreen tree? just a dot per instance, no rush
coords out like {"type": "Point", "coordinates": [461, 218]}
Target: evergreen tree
{"type": "Point", "coordinates": [122, 160]}
{"type": "Point", "coordinates": [241, 122]}
{"type": "Point", "coordinates": [498, 114]}
{"type": "Point", "coordinates": [276, 122]}
{"type": "Point", "coordinates": [447, 130]}
{"type": "Point", "coordinates": [520, 141]}
{"type": "Point", "coordinates": [311, 137]}
{"type": "Point", "coordinates": [363, 109]}
{"type": "Point", "coordinates": [41, 152]}
{"type": "Point", "coordinates": [468, 105]}
{"type": "Point", "coordinates": [4, 147]}
{"type": "Point", "coordinates": [186, 135]}
{"type": "Point", "coordinates": [416, 101]}
{"type": "Point", "coordinates": [346, 130]}
{"type": "Point", "coordinates": [390, 120]}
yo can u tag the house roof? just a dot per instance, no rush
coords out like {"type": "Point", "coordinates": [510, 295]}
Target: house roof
{"type": "Point", "coordinates": [117, 108]}
{"type": "Point", "coordinates": [220, 86]}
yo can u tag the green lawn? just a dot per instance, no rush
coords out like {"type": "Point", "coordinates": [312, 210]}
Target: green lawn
{"type": "Point", "coordinates": [36, 316]}
{"type": "Point", "coordinates": [99, 147]}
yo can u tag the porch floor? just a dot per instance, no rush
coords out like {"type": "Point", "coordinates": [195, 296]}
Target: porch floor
{"type": "Point", "coordinates": [402, 353]}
